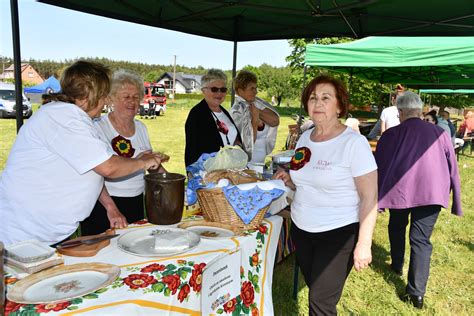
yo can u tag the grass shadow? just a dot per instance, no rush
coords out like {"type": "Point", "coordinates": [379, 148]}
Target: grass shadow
{"type": "Point", "coordinates": [469, 245]}
{"type": "Point", "coordinates": [380, 256]}
{"type": "Point", "coordinates": [283, 286]}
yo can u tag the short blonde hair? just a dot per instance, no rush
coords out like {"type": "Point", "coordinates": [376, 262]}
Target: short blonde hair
{"type": "Point", "coordinates": [86, 80]}
{"type": "Point", "coordinates": [243, 78]}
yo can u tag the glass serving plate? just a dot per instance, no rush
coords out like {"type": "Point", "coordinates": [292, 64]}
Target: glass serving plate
{"type": "Point", "coordinates": [158, 242]}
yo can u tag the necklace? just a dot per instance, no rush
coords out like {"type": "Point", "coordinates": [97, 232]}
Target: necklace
{"type": "Point", "coordinates": [222, 128]}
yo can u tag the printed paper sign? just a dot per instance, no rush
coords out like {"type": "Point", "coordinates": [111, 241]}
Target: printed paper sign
{"type": "Point", "coordinates": [220, 281]}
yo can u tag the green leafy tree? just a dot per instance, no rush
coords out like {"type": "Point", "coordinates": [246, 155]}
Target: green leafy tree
{"type": "Point", "coordinates": [362, 92]}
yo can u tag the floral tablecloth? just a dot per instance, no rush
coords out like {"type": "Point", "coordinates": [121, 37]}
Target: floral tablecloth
{"type": "Point", "coordinates": [172, 286]}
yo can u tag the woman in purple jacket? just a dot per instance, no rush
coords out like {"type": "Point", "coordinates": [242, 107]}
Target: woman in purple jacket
{"type": "Point", "coordinates": [417, 170]}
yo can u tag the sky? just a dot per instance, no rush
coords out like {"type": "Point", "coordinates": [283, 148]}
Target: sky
{"type": "Point", "coordinates": [49, 32]}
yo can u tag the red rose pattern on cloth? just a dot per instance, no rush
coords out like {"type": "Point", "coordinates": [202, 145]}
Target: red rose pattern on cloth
{"type": "Point", "coordinates": [181, 279]}
{"type": "Point", "coordinates": [250, 281]}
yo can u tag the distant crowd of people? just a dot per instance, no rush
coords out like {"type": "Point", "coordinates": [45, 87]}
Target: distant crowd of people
{"type": "Point", "coordinates": [390, 118]}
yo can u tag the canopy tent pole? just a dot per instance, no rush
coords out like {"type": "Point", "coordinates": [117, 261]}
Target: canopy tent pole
{"type": "Point", "coordinates": [300, 117]}
{"type": "Point", "coordinates": [380, 104]}
{"type": "Point", "coordinates": [234, 58]}
{"type": "Point", "coordinates": [17, 63]}
{"type": "Point", "coordinates": [234, 73]}
{"type": "Point", "coordinates": [349, 90]}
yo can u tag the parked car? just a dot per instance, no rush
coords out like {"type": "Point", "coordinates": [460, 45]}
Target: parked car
{"type": "Point", "coordinates": [8, 102]}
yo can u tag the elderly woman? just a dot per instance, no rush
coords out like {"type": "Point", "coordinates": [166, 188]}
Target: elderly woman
{"type": "Point", "coordinates": [335, 205]}
{"type": "Point", "coordinates": [56, 167]}
{"type": "Point", "coordinates": [127, 137]}
{"type": "Point", "coordinates": [417, 170]}
{"type": "Point", "coordinates": [256, 120]}
{"type": "Point", "coordinates": [209, 126]}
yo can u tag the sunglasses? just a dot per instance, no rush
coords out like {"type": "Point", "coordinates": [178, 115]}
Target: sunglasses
{"type": "Point", "coordinates": [216, 89]}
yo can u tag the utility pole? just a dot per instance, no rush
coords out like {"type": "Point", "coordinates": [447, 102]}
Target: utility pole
{"type": "Point", "coordinates": [174, 78]}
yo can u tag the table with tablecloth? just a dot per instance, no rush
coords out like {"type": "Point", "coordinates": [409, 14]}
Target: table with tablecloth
{"type": "Point", "coordinates": [172, 285]}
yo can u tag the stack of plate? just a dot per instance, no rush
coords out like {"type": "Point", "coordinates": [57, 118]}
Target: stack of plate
{"type": "Point", "coordinates": [31, 256]}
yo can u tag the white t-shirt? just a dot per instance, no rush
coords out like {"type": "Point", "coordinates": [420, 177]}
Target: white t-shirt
{"type": "Point", "coordinates": [232, 134]}
{"type": "Point", "coordinates": [48, 185]}
{"type": "Point", "coordinates": [326, 197]}
{"type": "Point", "coordinates": [259, 148]}
{"type": "Point", "coordinates": [390, 117]}
{"type": "Point", "coordinates": [134, 184]}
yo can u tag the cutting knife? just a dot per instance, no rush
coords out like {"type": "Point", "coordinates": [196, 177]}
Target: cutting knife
{"type": "Point", "coordinates": [89, 241]}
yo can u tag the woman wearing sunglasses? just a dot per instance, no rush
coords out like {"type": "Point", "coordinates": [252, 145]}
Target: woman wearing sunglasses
{"type": "Point", "coordinates": [209, 126]}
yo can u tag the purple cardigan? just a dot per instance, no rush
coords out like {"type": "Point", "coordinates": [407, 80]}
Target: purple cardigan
{"type": "Point", "coordinates": [416, 167]}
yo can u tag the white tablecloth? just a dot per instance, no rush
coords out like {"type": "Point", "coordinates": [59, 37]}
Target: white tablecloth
{"type": "Point", "coordinates": [171, 286]}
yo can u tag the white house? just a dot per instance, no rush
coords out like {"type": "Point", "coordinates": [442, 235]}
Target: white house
{"type": "Point", "coordinates": [185, 83]}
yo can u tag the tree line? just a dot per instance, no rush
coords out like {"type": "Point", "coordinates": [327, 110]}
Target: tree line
{"type": "Point", "coordinates": [285, 81]}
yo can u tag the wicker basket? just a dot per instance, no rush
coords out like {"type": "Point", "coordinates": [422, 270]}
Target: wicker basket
{"type": "Point", "coordinates": [216, 208]}
{"type": "Point", "coordinates": [234, 176]}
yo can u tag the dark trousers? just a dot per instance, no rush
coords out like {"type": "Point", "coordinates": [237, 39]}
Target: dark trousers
{"type": "Point", "coordinates": [325, 260]}
{"type": "Point", "coordinates": [98, 222]}
{"type": "Point", "coordinates": [423, 219]}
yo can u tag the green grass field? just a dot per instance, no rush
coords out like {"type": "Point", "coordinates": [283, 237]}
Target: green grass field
{"type": "Point", "coordinates": [371, 292]}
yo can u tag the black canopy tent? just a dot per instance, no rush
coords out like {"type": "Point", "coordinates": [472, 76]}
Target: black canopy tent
{"type": "Point", "coordinates": [249, 20]}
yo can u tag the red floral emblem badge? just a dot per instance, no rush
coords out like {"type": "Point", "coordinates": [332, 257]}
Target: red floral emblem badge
{"type": "Point", "coordinates": [300, 158]}
{"type": "Point", "coordinates": [123, 147]}
{"type": "Point", "coordinates": [221, 127]}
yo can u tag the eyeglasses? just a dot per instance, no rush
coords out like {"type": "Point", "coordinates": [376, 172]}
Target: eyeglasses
{"type": "Point", "coordinates": [429, 120]}
{"type": "Point", "coordinates": [216, 89]}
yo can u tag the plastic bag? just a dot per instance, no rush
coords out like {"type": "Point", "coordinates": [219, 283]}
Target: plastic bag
{"type": "Point", "coordinates": [229, 157]}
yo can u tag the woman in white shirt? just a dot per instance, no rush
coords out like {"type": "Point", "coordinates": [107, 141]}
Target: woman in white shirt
{"type": "Point", "coordinates": [56, 168]}
{"type": "Point", "coordinates": [127, 137]}
{"type": "Point", "coordinates": [335, 206]}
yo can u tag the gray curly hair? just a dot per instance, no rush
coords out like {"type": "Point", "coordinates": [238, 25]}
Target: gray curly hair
{"type": "Point", "coordinates": [123, 76]}
{"type": "Point", "coordinates": [213, 75]}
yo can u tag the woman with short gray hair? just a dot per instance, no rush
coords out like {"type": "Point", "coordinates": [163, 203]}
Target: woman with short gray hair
{"type": "Point", "coordinates": [121, 201]}
{"type": "Point", "coordinates": [209, 126]}
{"type": "Point", "coordinates": [213, 75]}
{"type": "Point", "coordinates": [417, 170]}
{"type": "Point", "coordinates": [122, 77]}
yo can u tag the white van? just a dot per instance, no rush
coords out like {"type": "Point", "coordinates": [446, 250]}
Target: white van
{"type": "Point", "coordinates": [8, 104]}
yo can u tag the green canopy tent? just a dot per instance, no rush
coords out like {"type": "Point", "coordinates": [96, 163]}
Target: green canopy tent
{"type": "Point", "coordinates": [417, 62]}
{"type": "Point", "coordinates": [249, 20]}
{"type": "Point", "coordinates": [447, 91]}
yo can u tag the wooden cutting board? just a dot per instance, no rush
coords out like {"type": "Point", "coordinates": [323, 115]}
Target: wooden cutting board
{"type": "Point", "coordinates": [86, 250]}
